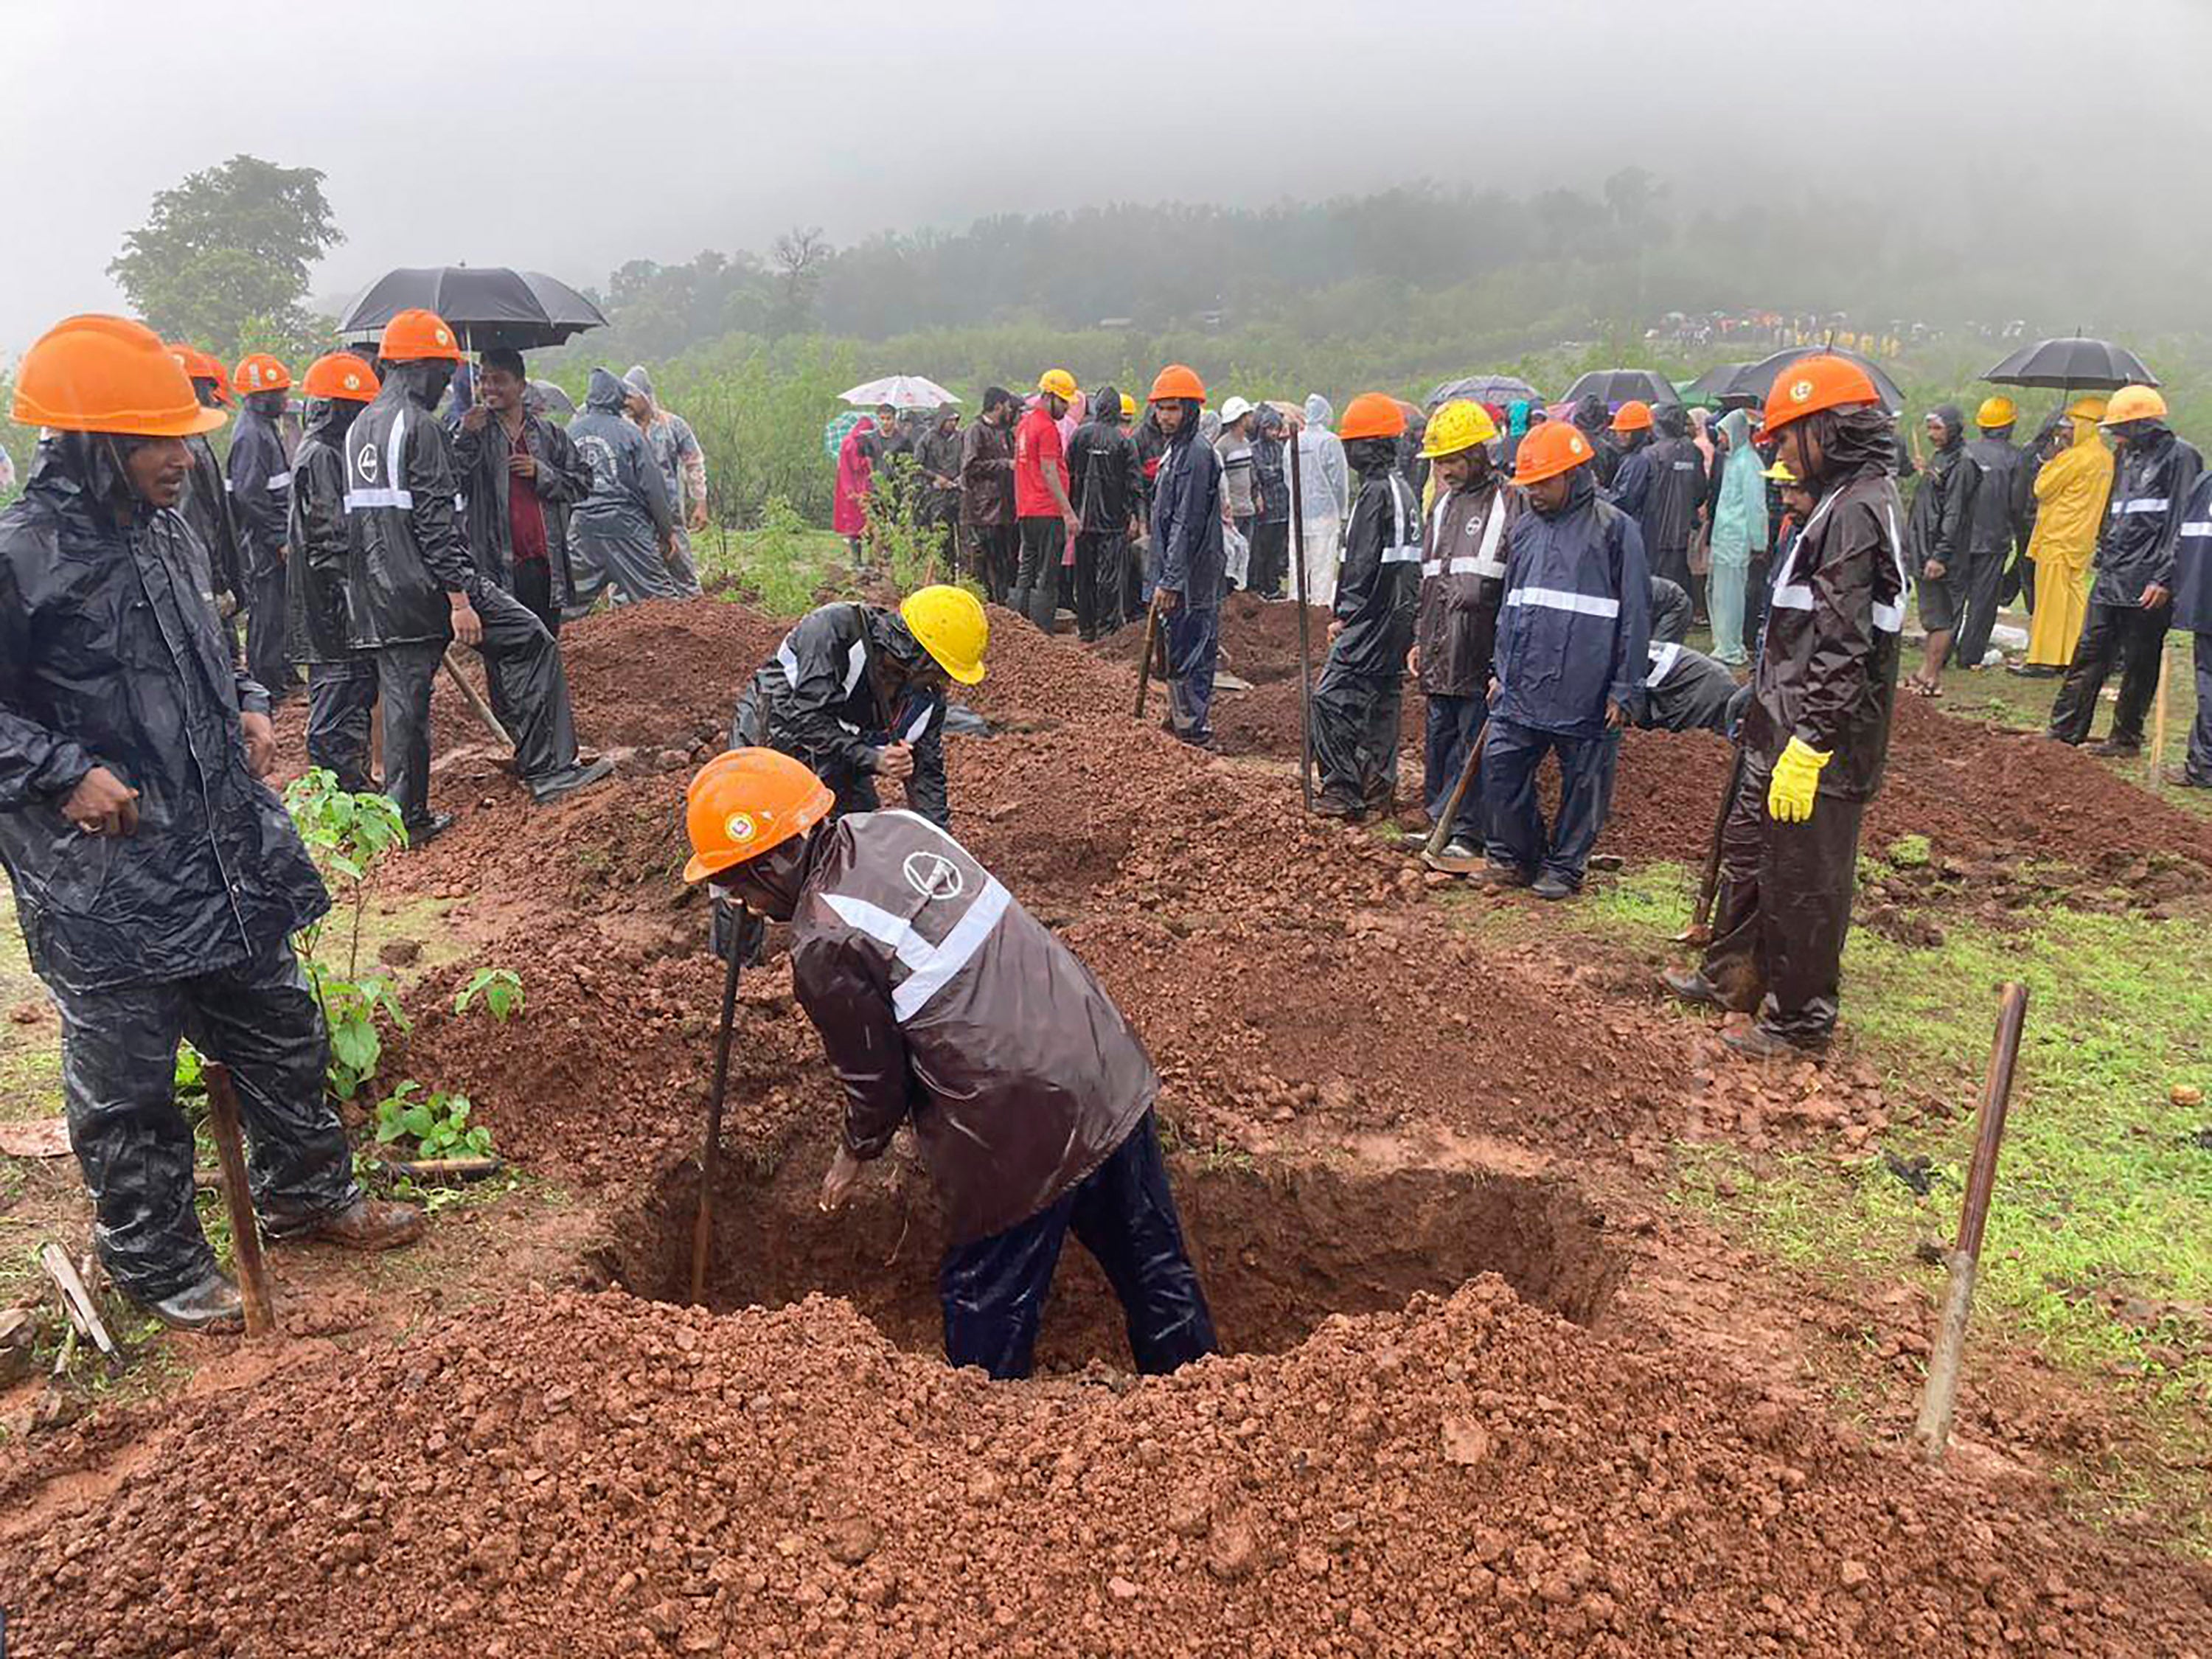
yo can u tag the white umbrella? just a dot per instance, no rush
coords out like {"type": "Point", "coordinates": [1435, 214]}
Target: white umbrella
{"type": "Point", "coordinates": [900, 392]}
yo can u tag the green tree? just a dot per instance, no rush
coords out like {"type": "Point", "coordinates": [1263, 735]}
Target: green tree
{"type": "Point", "coordinates": [222, 259]}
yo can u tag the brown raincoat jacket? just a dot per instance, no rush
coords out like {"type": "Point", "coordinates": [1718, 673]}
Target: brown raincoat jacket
{"type": "Point", "coordinates": [940, 999]}
{"type": "Point", "coordinates": [1462, 581]}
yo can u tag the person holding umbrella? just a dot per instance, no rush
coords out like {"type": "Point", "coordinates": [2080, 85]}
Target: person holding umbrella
{"type": "Point", "coordinates": [2131, 604]}
{"type": "Point", "coordinates": [522, 477]}
{"type": "Point", "coordinates": [414, 589]}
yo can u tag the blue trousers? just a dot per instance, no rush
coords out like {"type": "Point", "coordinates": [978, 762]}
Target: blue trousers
{"type": "Point", "coordinates": [1193, 649]}
{"type": "Point", "coordinates": [1453, 723]}
{"type": "Point", "coordinates": [1508, 791]}
{"type": "Point", "coordinates": [993, 1291]}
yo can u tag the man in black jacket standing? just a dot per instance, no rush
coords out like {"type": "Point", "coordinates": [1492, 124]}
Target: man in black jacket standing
{"type": "Point", "coordinates": [2131, 604]}
{"type": "Point", "coordinates": [341, 681]}
{"type": "Point", "coordinates": [413, 590]}
{"type": "Point", "coordinates": [1816, 735]}
{"type": "Point", "coordinates": [1936, 541]}
{"type": "Point", "coordinates": [522, 478]}
{"type": "Point", "coordinates": [1997, 533]}
{"type": "Point", "coordinates": [1107, 488]}
{"type": "Point", "coordinates": [1190, 568]}
{"type": "Point", "coordinates": [261, 491]}
{"type": "Point", "coordinates": [156, 876]}
{"type": "Point", "coordinates": [986, 493]}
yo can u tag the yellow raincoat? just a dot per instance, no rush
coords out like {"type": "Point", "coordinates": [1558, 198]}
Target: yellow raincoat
{"type": "Point", "coordinates": [2069, 507]}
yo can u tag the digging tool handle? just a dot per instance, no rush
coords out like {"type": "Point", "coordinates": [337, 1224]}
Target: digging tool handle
{"type": "Point", "coordinates": [1305, 625]}
{"type": "Point", "coordinates": [1440, 837]}
{"type": "Point", "coordinates": [1941, 1395]}
{"type": "Point", "coordinates": [2158, 719]}
{"type": "Point", "coordinates": [702, 1231]}
{"type": "Point", "coordinates": [245, 1230]}
{"type": "Point", "coordinates": [483, 709]}
{"type": "Point", "coordinates": [1710, 886]}
{"type": "Point", "coordinates": [1152, 644]}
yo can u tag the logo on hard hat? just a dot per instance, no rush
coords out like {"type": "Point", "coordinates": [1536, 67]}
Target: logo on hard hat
{"type": "Point", "coordinates": [1576, 446]}
{"type": "Point", "coordinates": [739, 828]}
{"type": "Point", "coordinates": [352, 381]}
{"type": "Point", "coordinates": [1800, 391]}
{"type": "Point", "coordinates": [933, 876]}
{"type": "Point", "coordinates": [364, 462]}
{"type": "Point", "coordinates": [444, 338]}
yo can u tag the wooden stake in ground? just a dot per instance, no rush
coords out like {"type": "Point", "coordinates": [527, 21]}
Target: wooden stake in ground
{"type": "Point", "coordinates": [702, 1231]}
{"type": "Point", "coordinates": [245, 1230]}
{"type": "Point", "coordinates": [2158, 719]}
{"type": "Point", "coordinates": [476, 702]}
{"type": "Point", "coordinates": [1941, 1395]}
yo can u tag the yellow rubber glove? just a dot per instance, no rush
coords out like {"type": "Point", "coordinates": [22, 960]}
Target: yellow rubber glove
{"type": "Point", "coordinates": [1797, 780]}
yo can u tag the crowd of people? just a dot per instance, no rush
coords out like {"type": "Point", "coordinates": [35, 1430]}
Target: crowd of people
{"type": "Point", "coordinates": [1536, 571]}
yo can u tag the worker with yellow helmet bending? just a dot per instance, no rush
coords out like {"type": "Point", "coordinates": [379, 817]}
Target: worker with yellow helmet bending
{"type": "Point", "coordinates": [944, 1006]}
{"type": "Point", "coordinates": [157, 878]}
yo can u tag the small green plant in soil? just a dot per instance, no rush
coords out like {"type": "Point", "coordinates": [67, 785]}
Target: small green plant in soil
{"type": "Point", "coordinates": [347, 834]}
{"type": "Point", "coordinates": [499, 990]}
{"type": "Point", "coordinates": [437, 1125]}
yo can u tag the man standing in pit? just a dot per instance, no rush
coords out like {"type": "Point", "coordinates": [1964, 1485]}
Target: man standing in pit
{"type": "Point", "coordinates": [412, 589]}
{"type": "Point", "coordinates": [1462, 579]}
{"type": "Point", "coordinates": [943, 1005]}
{"type": "Point", "coordinates": [1816, 733]}
{"type": "Point", "coordinates": [157, 878]}
{"type": "Point", "coordinates": [1188, 563]}
{"type": "Point", "coordinates": [1357, 700]}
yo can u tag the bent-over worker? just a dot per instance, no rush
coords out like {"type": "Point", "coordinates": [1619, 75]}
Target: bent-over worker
{"type": "Point", "coordinates": [943, 1005]}
{"type": "Point", "coordinates": [158, 879]}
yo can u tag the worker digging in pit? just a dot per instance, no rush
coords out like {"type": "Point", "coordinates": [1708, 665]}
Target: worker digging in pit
{"type": "Point", "coordinates": [1573, 632]}
{"type": "Point", "coordinates": [1816, 733]}
{"type": "Point", "coordinates": [157, 878]}
{"type": "Point", "coordinates": [944, 1005]}
{"type": "Point", "coordinates": [1685, 690]}
{"type": "Point", "coordinates": [1462, 579]}
{"type": "Point", "coordinates": [1357, 699]}
{"type": "Point", "coordinates": [856, 694]}
{"type": "Point", "coordinates": [414, 589]}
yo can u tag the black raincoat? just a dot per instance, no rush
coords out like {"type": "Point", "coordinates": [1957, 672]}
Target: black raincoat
{"type": "Point", "coordinates": [315, 597]}
{"type": "Point", "coordinates": [1356, 702]}
{"type": "Point", "coordinates": [1943, 505]}
{"type": "Point", "coordinates": [845, 684]}
{"type": "Point", "coordinates": [207, 510]}
{"type": "Point", "coordinates": [1105, 484]}
{"type": "Point", "coordinates": [1591, 414]}
{"type": "Point", "coordinates": [1660, 484]}
{"type": "Point", "coordinates": [111, 655]}
{"type": "Point", "coordinates": [261, 493]}
{"type": "Point", "coordinates": [2150, 486]}
{"type": "Point", "coordinates": [408, 556]}
{"type": "Point", "coordinates": [1462, 579]}
{"type": "Point", "coordinates": [1670, 611]}
{"type": "Point", "coordinates": [625, 518]}
{"type": "Point", "coordinates": [561, 482]}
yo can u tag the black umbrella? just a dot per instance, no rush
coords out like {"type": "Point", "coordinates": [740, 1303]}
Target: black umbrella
{"type": "Point", "coordinates": [1487, 389]}
{"type": "Point", "coordinates": [1618, 385]}
{"type": "Point", "coordinates": [488, 306]}
{"type": "Point", "coordinates": [1756, 380]}
{"type": "Point", "coordinates": [2075, 365]}
{"type": "Point", "coordinates": [1716, 382]}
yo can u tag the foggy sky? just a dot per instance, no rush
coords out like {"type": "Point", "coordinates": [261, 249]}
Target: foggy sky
{"type": "Point", "coordinates": [569, 136]}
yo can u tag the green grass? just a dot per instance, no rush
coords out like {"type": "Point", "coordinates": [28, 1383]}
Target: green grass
{"type": "Point", "coordinates": [2104, 1188]}
{"type": "Point", "coordinates": [780, 567]}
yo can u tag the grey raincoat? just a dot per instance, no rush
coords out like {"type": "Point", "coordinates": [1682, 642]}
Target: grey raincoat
{"type": "Point", "coordinates": [626, 520]}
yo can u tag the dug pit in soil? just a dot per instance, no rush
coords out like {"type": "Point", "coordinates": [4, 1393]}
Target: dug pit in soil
{"type": "Point", "coordinates": [1279, 1247]}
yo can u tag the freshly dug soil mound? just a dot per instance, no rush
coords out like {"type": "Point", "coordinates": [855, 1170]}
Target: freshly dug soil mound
{"type": "Point", "coordinates": [585, 1476]}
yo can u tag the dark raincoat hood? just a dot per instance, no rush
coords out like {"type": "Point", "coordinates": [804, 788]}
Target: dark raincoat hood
{"type": "Point", "coordinates": [1369, 455]}
{"type": "Point", "coordinates": [328, 419]}
{"type": "Point", "coordinates": [1853, 439]}
{"type": "Point", "coordinates": [1590, 414]}
{"type": "Point", "coordinates": [1582, 484]}
{"type": "Point", "coordinates": [1106, 404]}
{"type": "Point", "coordinates": [1954, 424]}
{"type": "Point", "coordinates": [1672, 420]}
{"type": "Point", "coordinates": [607, 392]}
{"type": "Point", "coordinates": [425, 379]}
{"type": "Point", "coordinates": [86, 463]}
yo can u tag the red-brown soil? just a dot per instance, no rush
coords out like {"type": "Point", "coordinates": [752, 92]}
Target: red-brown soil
{"type": "Point", "coordinates": [1477, 1471]}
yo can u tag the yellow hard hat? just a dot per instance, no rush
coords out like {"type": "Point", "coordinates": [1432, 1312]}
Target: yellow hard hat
{"type": "Point", "coordinates": [1460, 424]}
{"type": "Point", "coordinates": [1059, 382]}
{"type": "Point", "coordinates": [2089, 407]}
{"type": "Point", "coordinates": [1128, 407]}
{"type": "Point", "coordinates": [1995, 412]}
{"type": "Point", "coordinates": [1780, 474]}
{"type": "Point", "coordinates": [2135, 403]}
{"type": "Point", "coordinates": [950, 623]}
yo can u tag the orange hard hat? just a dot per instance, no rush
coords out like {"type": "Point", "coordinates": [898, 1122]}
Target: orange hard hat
{"type": "Point", "coordinates": [1372, 415]}
{"type": "Point", "coordinates": [1177, 381]}
{"type": "Point", "coordinates": [743, 802]}
{"type": "Point", "coordinates": [414, 336]}
{"type": "Point", "coordinates": [202, 365]}
{"type": "Point", "coordinates": [340, 374]}
{"type": "Point", "coordinates": [1549, 450]}
{"type": "Point", "coordinates": [259, 372]}
{"type": "Point", "coordinates": [96, 373]}
{"type": "Point", "coordinates": [1813, 384]}
{"type": "Point", "coordinates": [1634, 416]}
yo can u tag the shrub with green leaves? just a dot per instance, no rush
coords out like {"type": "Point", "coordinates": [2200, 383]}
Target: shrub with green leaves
{"type": "Point", "coordinates": [438, 1125]}
{"type": "Point", "coordinates": [499, 990]}
{"type": "Point", "coordinates": [346, 834]}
